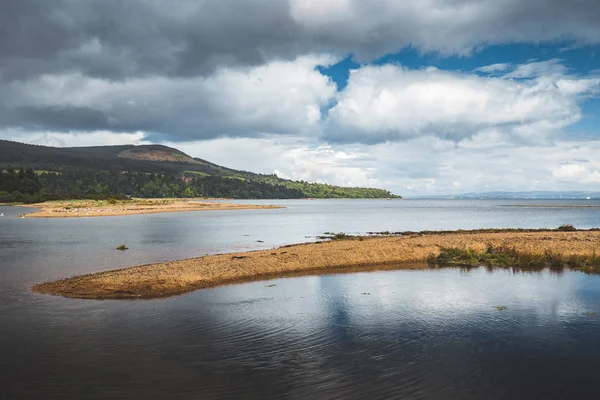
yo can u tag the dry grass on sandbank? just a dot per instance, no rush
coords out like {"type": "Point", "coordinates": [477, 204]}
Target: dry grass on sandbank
{"type": "Point", "coordinates": [355, 254]}
{"type": "Point", "coordinates": [106, 208]}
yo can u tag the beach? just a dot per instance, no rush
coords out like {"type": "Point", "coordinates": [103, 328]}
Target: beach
{"type": "Point", "coordinates": [107, 208]}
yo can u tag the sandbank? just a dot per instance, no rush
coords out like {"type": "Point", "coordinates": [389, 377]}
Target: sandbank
{"type": "Point", "coordinates": [406, 251]}
{"type": "Point", "coordinates": [104, 208]}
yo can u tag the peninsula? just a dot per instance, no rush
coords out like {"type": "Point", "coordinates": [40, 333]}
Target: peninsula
{"type": "Point", "coordinates": [105, 208]}
{"type": "Point", "coordinates": [527, 249]}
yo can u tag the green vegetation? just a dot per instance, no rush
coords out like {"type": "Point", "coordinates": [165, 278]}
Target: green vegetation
{"type": "Point", "coordinates": [516, 259]}
{"type": "Point", "coordinates": [566, 228]}
{"type": "Point", "coordinates": [122, 247]}
{"type": "Point", "coordinates": [151, 171]}
{"type": "Point", "coordinates": [324, 191]}
{"type": "Point", "coordinates": [18, 186]}
{"type": "Point", "coordinates": [345, 236]}
{"type": "Point", "coordinates": [337, 236]}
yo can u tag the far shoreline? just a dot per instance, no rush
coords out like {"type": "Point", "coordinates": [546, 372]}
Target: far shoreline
{"type": "Point", "coordinates": [410, 250]}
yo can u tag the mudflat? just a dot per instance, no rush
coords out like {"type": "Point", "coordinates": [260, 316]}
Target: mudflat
{"type": "Point", "coordinates": [104, 208]}
{"type": "Point", "coordinates": [406, 251]}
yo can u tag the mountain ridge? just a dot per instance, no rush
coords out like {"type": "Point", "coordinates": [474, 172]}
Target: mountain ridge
{"type": "Point", "coordinates": [85, 170]}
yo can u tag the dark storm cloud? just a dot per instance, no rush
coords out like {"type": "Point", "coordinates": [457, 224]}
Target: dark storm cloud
{"type": "Point", "coordinates": [78, 118]}
{"type": "Point", "coordinates": [118, 41]}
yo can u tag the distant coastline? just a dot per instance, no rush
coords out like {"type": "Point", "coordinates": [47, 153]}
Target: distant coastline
{"type": "Point", "coordinates": [551, 205]}
{"type": "Point", "coordinates": [503, 247]}
{"type": "Point", "coordinates": [526, 195]}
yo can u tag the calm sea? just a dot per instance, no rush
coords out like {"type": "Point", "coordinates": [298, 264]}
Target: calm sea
{"type": "Point", "coordinates": [391, 334]}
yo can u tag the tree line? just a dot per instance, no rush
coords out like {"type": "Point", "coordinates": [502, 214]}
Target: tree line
{"type": "Point", "coordinates": [29, 186]}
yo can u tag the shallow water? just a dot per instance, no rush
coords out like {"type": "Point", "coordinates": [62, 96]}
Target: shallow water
{"type": "Point", "coordinates": [390, 334]}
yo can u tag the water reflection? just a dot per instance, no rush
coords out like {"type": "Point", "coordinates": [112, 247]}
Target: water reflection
{"type": "Point", "coordinates": [422, 334]}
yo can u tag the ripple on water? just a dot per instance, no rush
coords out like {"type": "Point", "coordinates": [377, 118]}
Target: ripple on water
{"type": "Point", "coordinates": [416, 335]}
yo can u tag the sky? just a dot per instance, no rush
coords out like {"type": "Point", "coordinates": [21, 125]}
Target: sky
{"type": "Point", "coordinates": [420, 98]}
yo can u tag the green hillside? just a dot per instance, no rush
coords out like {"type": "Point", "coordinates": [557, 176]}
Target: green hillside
{"type": "Point", "coordinates": [37, 173]}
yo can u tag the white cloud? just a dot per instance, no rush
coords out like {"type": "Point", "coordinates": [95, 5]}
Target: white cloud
{"type": "Point", "coordinates": [324, 164]}
{"type": "Point", "coordinates": [539, 68]}
{"type": "Point", "coordinates": [577, 173]}
{"type": "Point", "coordinates": [279, 97]}
{"type": "Point", "coordinates": [290, 159]}
{"type": "Point", "coordinates": [486, 162]}
{"type": "Point", "coordinates": [390, 102]}
{"type": "Point", "coordinates": [499, 67]}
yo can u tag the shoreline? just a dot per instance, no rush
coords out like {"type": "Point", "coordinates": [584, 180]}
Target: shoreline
{"type": "Point", "coordinates": [107, 208]}
{"type": "Point", "coordinates": [352, 254]}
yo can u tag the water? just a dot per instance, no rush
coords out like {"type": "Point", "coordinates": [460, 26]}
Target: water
{"type": "Point", "coordinates": [388, 334]}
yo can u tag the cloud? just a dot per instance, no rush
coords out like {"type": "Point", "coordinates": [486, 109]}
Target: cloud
{"type": "Point", "coordinates": [290, 159]}
{"type": "Point", "coordinates": [577, 173]}
{"type": "Point", "coordinates": [370, 29]}
{"type": "Point", "coordinates": [280, 97]}
{"type": "Point", "coordinates": [489, 69]}
{"type": "Point", "coordinates": [189, 70]}
{"type": "Point", "coordinates": [535, 69]}
{"type": "Point", "coordinates": [119, 40]}
{"type": "Point", "coordinates": [390, 102]}
{"type": "Point", "coordinates": [74, 139]}
{"type": "Point", "coordinates": [436, 166]}
{"type": "Point", "coordinates": [238, 83]}
{"type": "Point", "coordinates": [324, 164]}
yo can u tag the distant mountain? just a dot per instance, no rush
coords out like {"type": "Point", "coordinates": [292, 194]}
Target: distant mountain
{"type": "Point", "coordinates": [157, 153]}
{"type": "Point", "coordinates": [539, 195]}
{"type": "Point", "coordinates": [143, 158]}
{"type": "Point", "coordinates": [154, 171]}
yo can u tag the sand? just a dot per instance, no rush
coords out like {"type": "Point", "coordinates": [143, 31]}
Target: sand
{"type": "Point", "coordinates": [102, 208]}
{"type": "Point", "coordinates": [360, 254]}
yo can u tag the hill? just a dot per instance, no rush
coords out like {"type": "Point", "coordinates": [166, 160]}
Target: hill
{"type": "Point", "coordinates": [144, 171]}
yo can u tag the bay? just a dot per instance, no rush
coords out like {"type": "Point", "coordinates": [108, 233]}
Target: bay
{"type": "Point", "coordinates": [390, 334]}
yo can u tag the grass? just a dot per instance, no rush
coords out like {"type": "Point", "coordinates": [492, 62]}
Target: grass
{"type": "Point", "coordinates": [566, 228]}
{"type": "Point", "coordinates": [505, 257]}
{"type": "Point", "coordinates": [337, 236]}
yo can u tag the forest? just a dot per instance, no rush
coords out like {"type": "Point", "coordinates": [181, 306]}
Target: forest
{"type": "Point", "coordinates": [29, 186]}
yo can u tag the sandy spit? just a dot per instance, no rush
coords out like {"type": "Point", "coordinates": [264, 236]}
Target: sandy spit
{"type": "Point", "coordinates": [373, 253]}
{"type": "Point", "coordinates": [87, 208]}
